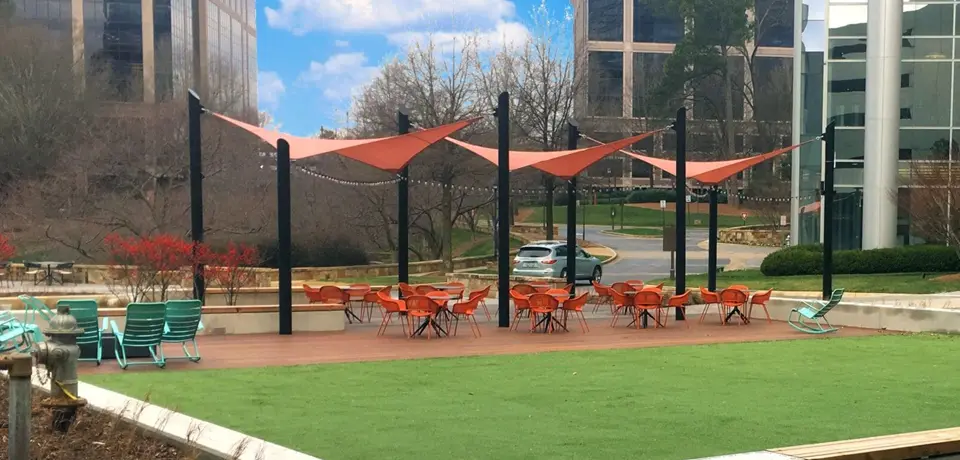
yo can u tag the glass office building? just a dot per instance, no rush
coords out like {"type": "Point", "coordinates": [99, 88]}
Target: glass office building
{"type": "Point", "coordinates": [905, 114]}
{"type": "Point", "coordinates": [146, 46]}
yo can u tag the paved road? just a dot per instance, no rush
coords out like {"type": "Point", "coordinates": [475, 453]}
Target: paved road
{"type": "Point", "coordinates": [642, 258]}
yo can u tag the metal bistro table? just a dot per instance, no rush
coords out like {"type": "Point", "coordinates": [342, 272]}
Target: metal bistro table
{"type": "Point", "coordinates": [549, 320]}
{"type": "Point", "coordinates": [48, 268]}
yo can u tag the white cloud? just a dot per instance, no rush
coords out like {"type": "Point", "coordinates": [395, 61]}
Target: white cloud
{"type": "Point", "coordinates": [340, 76]}
{"type": "Point", "coordinates": [302, 16]}
{"type": "Point", "coordinates": [269, 88]}
{"type": "Point", "coordinates": [504, 33]}
{"type": "Point", "coordinates": [341, 43]}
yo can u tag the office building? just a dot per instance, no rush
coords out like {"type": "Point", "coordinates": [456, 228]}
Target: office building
{"type": "Point", "coordinates": [146, 46]}
{"type": "Point", "coordinates": [890, 88]}
{"type": "Point", "coordinates": [624, 45]}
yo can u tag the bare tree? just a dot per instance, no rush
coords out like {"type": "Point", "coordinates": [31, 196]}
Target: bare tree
{"type": "Point", "coordinates": [930, 199]}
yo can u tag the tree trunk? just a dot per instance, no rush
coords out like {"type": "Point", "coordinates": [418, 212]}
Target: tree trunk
{"type": "Point", "coordinates": [548, 212]}
{"type": "Point", "coordinates": [446, 208]}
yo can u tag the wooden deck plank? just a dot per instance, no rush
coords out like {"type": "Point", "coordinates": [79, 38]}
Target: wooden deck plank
{"type": "Point", "coordinates": [890, 447]}
{"type": "Point", "coordinates": [359, 343]}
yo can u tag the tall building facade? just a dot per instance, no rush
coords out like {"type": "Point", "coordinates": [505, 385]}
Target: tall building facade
{"type": "Point", "coordinates": [146, 46]}
{"type": "Point", "coordinates": [891, 90]}
{"type": "Point", "coordinates": [625, 45]}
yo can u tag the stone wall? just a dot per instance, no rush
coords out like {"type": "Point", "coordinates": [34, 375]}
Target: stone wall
{"type": "Point", "coordinates": [754, 235]}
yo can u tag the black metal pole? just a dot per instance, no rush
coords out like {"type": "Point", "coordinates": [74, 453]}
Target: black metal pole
{"type": "Point", "coordinates": [712, 242]}
{"type": "Point", "coordinates": [573, 136]}
{"type": "Point", "coordinates": [827, 207]}
{"type": "Point", "coordinates": [196, 189]}
{"type": "Point", "coordinates": [403, 213]}
{"type": "Point", "coordinates": [680, 126]}
{"type": "Point", "coordinates": [283, 238]}
{"type": "Point", "coordinates": [503, 208]}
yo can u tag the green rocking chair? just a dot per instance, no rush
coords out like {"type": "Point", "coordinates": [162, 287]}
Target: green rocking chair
{"type": "Point", "coordinates": [14, 335]}
{"type": "Point", "coordinates": [816, 310]}
{"type": "Point", "coordinates": [183, 323]}
{"type": "Point", "coordinates": [88, 318]}
{"type": "Point", "coordinates": [32, 308]}
{"type": "Point", "coordinates": [143, 329]}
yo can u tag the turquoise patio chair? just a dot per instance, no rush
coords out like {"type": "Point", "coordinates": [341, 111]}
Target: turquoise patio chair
{"type": "Point", "coordinates": [87, 313]}
{"type": "Point", "coordinates": [143, 329]}
{"type": "Point", "coordinates": [815, 310]}
{"type": "Point", "coordinates": [32, 308]}
{"type": "Point", "coordinates": [14, 335]}
{"type": "Point", "coordinates": [183, 323]}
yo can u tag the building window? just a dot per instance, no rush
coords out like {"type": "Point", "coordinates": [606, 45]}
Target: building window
{"type": "Point", "coordinates": [647, 72]}
{"type": "Point", "coordinates": [847, 20]}
{"type": "Point", "coordinates": [846, 93]}
{"type": "Point", "coordinates": [709, 96]}
{"type": "Point", "coordinates": [927, 20]}
{"type": "Point", "coordinates": [849, 144]}
{"type": "Point", "coordinates": [605, 20]}
{"type": "Point", "coordinates": [848, 48]}
{"type": "Point", "coordinates": [923, 85]}
{"type": "Point", "coordinates": [605, 89]}
{"type": "Point", "coordinates": [773, 89]}
{"type": "Point", "coordinates": [654, 23]}
{"type": "Point", "coordinates": [774, 23]}
{"type": "Point", "coordinates": [925, 144]}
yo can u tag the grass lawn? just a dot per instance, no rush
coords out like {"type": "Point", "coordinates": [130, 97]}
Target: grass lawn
{"type": "Point", "coordinates": [899, 283]}
{"type": "Point", "coordinates": [635, 217]}
{"type": "Point", "coordinates": [655, 403]}
{"type": "Point", "coordinates": [640, 231]}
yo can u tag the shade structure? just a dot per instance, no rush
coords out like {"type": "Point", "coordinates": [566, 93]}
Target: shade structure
{"type": "Point", "coordinates": [563, 164]}
{"type": "Point", "coordinates": [386, 153]}
{"type": "Point", "coordinates": [713, 172]}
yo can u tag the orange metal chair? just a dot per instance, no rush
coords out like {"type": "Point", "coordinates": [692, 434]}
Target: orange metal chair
{"type": "Point", "coordinates": [657, 287]}
{"type": "Point", "coordinates": [677, 302]}
{"type": "Point", "coordinates": [710, 299]}
{"type": "Point", "coordinates": [542, 307]}
{"type": "Point", "coordinates": [406, 290]}
{"type": "Point", "coordinates": [735, 301]}
{"type": "Point", "coordinates": [603, 296]}
{"type": "Point", "coordinates": [391, 307]}
{"type": "Point", "coordinates": [739, 287]}
{"type": "Point", "coordinates": [575, 306]}
{"type": "Point", "coordinates": [524, 289]}
{"type": "Point", "coordinates": [645, 301]}
{"type": "Point", "coordinates": [761, 299]}
{"type": "Point", "coordinates": [357, 293]}
{"type": "Point", "coordinates": [521, 304]}
{"type": "Point", "coordinates": [424, 289]}
{"type": "Point", "coordinates": [466, 310]}
{"type": "Point", "coordinates": [483, 299]}
{"type": "Point", "coordinates": [424, 308]}
{"type": "Point", "coordinates": [621, 305]}
{"type": "Point", "coordinates": [456, 289]}
{"type": "Point", "coordinates": [622, 287]}
{"type": "Point", "coordinates": [312, 294]}
{"type": "Point", "coordinates": [371, 300]}
{"type": "Point", "coordinates": [637, 284]}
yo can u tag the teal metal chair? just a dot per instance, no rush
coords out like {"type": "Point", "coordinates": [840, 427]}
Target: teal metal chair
{"type": "Point", "coordinates": [815, 310]}
{"type": "Point", "coordinates": [183, 323]}
{"type": "Point", "coordinates": [14, 335]}
{"type": "Point", "coordinates": [86, 312]}
{"type": "Point", "coordinates": [33, 308]}
{"type": "Point", "coordinates": [143, 329]}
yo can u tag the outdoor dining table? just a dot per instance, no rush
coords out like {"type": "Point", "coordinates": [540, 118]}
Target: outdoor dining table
{"type": "Point", "coordinates": [736, 309]}
{"type": "Point", "coordinates": [549, 320]}
{"type": "Point", "coordinates": [643, 314]}
{"type": "Point", "coordinates": [441, 299]}
{"type": "Point", "coordinates": [352, 295]}
{"type": "Point", "coordinates": [448, 287]}
{"type": "Point", "coordinates": [48, 268]}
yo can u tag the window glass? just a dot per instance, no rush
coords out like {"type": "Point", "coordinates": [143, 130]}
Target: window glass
{"type": "Point", "coordinates": [605, 20]}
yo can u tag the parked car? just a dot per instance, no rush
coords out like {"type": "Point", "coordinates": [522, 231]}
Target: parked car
{"type": "Point", "coordinates": [549, 259]}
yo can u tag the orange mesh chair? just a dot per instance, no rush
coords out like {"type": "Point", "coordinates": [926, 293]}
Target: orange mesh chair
{"type": "Point", "coordinates": [424, 308]}
{"type": "Point", "coordinates": [456, 289]}
{"type": "Point", "coordinates": [333, 294]}
{"type": "Point", "coordinates": [658, 287]}
{"type": "Point", "coordinates": [677, 302]}
{"type": "Point", "coordinates": [312, 294]}
{"type": "Point", "coordinates": [424, 289]}
{"type": "Point", "coordinates": [733, 300]}
{"type": "Point", "coordinates": [621, 305]}
{"type": "Point", "coordinates": [483, 299]}
{"type": "Point", "coordinates": [761, 299]}
{"type": "Point", "coordinates": [525, 289]}
{"type": "Point", "coordinates": [575, 306]}
{"type": "Point", "coordinates": [356, 293]}
{"type": "Point", "coordinates": [622, 287]}
{"type": "Point", "coordinates": [603, 296]}
{"type": "Point", "coordinates": [391, 307]}
{"type": "Point", "coordinates": [710, 299]}
{"type": "Point", "coordinates": [739, 287]}
{"type": "Point", "coordinates": [466, 310]}
{"type": "Point", "coordinates": [406, 290]}
{"type": "Point", "coordinates": [542, 306]}
{"type": "Point", "coordinates": [636, 284]}
{"type": "Point", "coordinates": [521, 304]}
{"type": "Point", "coordinates": [645, 301]}
{"type": "Point", "coordinates": [371, 300]}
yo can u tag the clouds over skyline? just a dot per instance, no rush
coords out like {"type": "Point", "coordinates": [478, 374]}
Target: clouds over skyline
{"type": "Point", "coordinates": [340, 76]}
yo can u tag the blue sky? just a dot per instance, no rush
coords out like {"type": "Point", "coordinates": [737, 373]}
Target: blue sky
{"type": "Point", "coordinates": [313, 54]}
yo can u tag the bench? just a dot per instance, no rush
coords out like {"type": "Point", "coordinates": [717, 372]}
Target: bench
{"type": "Point", "coordinates": [904, 446]}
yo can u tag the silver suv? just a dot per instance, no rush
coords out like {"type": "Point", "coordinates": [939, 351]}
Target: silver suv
{"type": "Point", "coordinates": [549, 259]}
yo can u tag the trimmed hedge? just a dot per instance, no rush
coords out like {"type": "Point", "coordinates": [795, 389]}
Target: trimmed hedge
{"type": "Point", "coordinates": [808, 260]}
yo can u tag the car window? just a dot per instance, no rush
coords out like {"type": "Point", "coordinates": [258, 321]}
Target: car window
{"type": "Point", "coordinates": [584, 254]}
{"type": "Point", "coordinates": [561, 251]}
{"type": "Point", "coordinates": [533, 251]}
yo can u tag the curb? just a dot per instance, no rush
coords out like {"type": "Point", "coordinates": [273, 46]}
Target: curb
{"type": "Point", "coordinates": [625, 235]}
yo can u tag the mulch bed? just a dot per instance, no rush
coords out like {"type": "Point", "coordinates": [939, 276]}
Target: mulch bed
{"type": "Point", "coordinates": [93, 436]}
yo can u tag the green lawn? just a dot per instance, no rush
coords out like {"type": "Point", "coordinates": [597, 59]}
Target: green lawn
{"type": "Point", "coordinates": [654, 403]}
{"type": "Point", "coordinates": [635, 217]}
{"type": "Point", "coordinates": [900, 283]}
{"type": "Point", "coordinates": [640, 231]}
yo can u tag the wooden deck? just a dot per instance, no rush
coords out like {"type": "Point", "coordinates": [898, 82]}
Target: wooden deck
{"type": "Point", "coordinates": [921, 444]}
{"type": "Point", "coordinates": [359, 343]}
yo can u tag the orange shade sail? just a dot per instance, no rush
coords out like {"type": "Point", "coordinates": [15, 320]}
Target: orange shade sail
{"type": "Point", "coordinates": [713, 172]}
{"type": "Point", "coordinates": [386, 153]}
{"type": "Point", "coordinates": [563, 164]}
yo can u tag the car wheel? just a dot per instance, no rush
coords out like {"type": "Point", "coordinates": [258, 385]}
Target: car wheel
{"type": "Point", "coordinates": [597, 274]}
{"type": "Point", "coordinates": [563, 273]}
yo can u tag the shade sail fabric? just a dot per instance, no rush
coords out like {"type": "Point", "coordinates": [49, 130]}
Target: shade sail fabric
{"type": "Point", "coordinates": [713, 172]}
{"type": "Point", "coordinates": [385, 153]}
{"type": "Point", "coordinates": [563, 164]}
